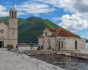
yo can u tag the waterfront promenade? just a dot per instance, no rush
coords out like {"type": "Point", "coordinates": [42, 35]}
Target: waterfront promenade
{"type": "Point", "coordinates": [14, 61]}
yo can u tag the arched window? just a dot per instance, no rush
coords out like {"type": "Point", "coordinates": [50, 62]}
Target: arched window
{"type": "Point", "coordinates": [12, 15]}
{"type": "Point", "coordinates": [59, 45]}
{"type": "Point", "coordinates": [62, 44]}
{"type": "Point", "coordinates": [75, 44]}
{"type": "Point", "coordinates": [46, 34]}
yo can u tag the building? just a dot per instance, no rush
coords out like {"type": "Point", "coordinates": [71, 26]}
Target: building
{"type": "Point", "coordinates": [9, 33]}
{"type": "Point", "coordinates": [60, 39]}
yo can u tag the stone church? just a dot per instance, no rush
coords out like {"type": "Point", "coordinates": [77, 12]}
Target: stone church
{"type": "Point", "coordinates": [60, 39]}
{"type": "Point", "coordinates": [9, 33]}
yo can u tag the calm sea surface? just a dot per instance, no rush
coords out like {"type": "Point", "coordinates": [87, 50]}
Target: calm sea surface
{"type": "Point", "coordinates": [64, 62]}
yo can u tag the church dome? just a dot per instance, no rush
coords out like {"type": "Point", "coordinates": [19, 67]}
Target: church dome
{"type": "Point", "coordinates": [13, 9]}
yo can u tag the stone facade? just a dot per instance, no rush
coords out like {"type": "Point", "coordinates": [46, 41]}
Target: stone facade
{"type": "Point", "coordinates": [9, 33]}
{"type": "Point", "coordinates": [60, 42]}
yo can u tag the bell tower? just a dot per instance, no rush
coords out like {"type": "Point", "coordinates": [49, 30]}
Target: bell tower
{"type": "Point", "coordinates": [13, 14]}
{"type": "Point", "coordinates": [13, 26]}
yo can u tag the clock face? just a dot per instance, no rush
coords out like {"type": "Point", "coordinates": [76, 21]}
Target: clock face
{"type": "Point", "coordinates": [1, 31]}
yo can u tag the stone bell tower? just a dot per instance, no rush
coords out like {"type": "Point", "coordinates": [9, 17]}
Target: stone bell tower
{"type": "Point", "coordinates": [13, 27]}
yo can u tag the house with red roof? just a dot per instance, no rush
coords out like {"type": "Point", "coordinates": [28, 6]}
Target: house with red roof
{"type": "Point", "coordinates": [60, 39]}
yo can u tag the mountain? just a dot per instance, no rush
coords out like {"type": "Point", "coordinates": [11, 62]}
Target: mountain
{"type": "Point", "coordinates": [30, 28]}
{"type": "Point", "coordinates": [4, 19]}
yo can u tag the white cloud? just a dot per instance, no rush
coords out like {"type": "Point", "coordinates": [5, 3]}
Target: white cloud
{"type": "Point", "coordinates": [22, 13]}
{"type": "Point", "coordinates": [34, 8]}
{"type": "Point", "coordinates": [55, 18]}
{"type": "Point", "coordinates": [3, 11]}
{"type": "Point", "coordinates": [79, 10]}
{"type": "Point", "coordinates": [73, 22]}
{"type": "Point", "coordinates": [73, 6]}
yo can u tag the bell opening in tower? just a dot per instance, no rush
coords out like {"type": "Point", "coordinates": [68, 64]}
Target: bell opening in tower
{"type": "Point", "coordinates": [13, 12]}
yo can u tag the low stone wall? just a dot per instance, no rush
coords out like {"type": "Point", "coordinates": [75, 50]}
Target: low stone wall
{"type": "Point", "coordinates": [76, 55]}
{"type": "Point", "coordinates": [39, 52]}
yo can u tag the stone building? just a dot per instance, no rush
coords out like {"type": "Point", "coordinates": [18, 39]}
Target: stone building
{"type": "Point", "coordinates": [9, 33]}
{"type": "Point", "coordinates": [60, 39]}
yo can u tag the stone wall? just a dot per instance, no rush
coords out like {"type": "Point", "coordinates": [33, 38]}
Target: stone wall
{"type": "Point", "coordinates": [52, 42]}
{"type": "Point", "coordinates": [45, 42]}
{"type": "Point", "coordinates": [4, 33]}
{"type": "Point", "coordinates": [40, 41]}
{"type": "Point", "coordinates": [13, 32]}
{"type": "Point", "coordinates": [70, 44]}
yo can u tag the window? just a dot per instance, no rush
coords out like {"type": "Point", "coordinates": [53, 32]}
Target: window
{"type": "Point", "coordinates": [75, 44]}
{"type": "Point", "coordinates": [46, 34]}
{"type": "Point", "coordinates": [59, 45]}
{"type": "Point", "coordinates": [62, 44]}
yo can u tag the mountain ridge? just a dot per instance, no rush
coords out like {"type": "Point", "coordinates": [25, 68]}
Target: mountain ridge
{"type": "Point", "coordinates": [30, 28]}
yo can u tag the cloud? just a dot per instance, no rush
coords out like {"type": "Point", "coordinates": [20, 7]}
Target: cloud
{"type": "Point", "coordinates": [78, 19]}
{"type": "Point", "coordinates": [79, 10]}
{"type": "Point", "coordinates": [73, 6]}
{"type": "Point", "coordinates": [3, 11]}
{"type": "Point", "coordinates": [73, 22]}
{"type": "Point", "coordinates": [34, 8]}
{"type": "Point", "coordinates": [55, 18]}
{"type": "Point", "coordinates": [22, 13]}
{"type": "Point", "coordinates": [81, 6]}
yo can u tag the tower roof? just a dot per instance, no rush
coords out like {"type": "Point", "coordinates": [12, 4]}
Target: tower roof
{"type": "Point", "coordinates": [13, 8]}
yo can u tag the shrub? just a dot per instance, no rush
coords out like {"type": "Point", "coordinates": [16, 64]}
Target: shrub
{"type": "Point", "coordinates": [38, 48]}
{"type": "Point", "coordinates": [9, 47]}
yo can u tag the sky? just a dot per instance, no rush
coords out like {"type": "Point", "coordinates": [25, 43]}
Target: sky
{"type": "Point", "coordinates": [69, 14]}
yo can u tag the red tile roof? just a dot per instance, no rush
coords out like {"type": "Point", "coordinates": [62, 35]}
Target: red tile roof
{"type": "Point", "coordinates": [55, 33]}
{"type": "Point", "coordinates": [60, 32]}
{"type": "Point", "coordinates": [40, 36]}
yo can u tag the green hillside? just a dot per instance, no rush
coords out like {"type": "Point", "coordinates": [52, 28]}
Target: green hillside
{"type": "Point", "coordinates": [4, 19]}
{"type": "Point", "coordinates": [31, 27]}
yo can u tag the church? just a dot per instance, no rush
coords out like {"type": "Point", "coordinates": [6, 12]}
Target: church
{"type": "Point", "coordinates": [9, 33]}
{"type": "Point", "coordinates": [60, 39]}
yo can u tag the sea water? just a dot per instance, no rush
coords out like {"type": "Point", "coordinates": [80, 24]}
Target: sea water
{"type": "Point", "coordinates": [67, 63]}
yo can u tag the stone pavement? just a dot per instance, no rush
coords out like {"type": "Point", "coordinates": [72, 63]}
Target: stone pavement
{"type": "Point", "coordinates": [14, 61]}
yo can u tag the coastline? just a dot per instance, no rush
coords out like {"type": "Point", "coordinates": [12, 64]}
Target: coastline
{"type": "Point", "coordinates": [15, 61]}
